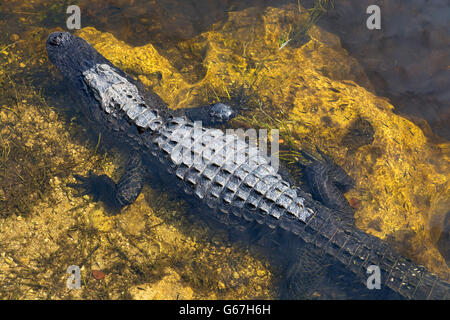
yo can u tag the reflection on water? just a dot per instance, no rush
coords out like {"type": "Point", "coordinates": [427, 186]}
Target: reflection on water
{"type": "Point", "coordinates": [315, 90]}
{"type": "Point", "coordinates": [407, 60]}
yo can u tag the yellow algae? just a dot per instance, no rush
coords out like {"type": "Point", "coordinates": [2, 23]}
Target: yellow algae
{"type": "Point", "coordinates": [168, 288]}
{"type": "Point", "coordinates": [150, 244]}
{"type": "Point", "coordinates": [100, 221]}
{"type": "Point", "coordinates": [45, 228]}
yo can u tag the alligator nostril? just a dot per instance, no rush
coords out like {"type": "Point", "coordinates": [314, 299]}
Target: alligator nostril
{"type": "Point", "coordinates": [58, 38]}
{"type": "Point", "coordinates": [55, 39]}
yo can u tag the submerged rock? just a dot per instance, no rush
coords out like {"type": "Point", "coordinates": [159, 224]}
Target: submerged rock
{"type": "Point", "coordinates": [406, 59]}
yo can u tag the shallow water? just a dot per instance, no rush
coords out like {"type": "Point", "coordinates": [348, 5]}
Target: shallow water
{"type": "Point", "coordinates": [319, 76]}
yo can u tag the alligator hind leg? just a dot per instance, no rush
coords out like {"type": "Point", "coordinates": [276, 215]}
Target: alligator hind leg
{"type": "Point", "coordinates": [210, 115]}
{"type": "Point", "coordinates": [328, 182]}
{"type": "Point", "coordinates": [114, 196]}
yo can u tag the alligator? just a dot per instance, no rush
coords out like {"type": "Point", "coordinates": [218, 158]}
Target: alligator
{"type": "Point", "coordinates": [207, 167]}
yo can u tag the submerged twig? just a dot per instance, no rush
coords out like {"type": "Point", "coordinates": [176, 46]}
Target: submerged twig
{"type": "Point", "coordinates": [9, 45]}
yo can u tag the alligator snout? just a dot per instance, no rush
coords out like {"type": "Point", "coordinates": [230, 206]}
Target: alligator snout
{"type": "Point", "coordinates": [58, 38]}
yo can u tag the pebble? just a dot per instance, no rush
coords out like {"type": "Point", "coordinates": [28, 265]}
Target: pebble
{"type": "Point", "coordinates": [98, 274]}
{"type": "Point", "coordinates": [355, 203]}
{"type": "Point", "coordinates": [14, 37]}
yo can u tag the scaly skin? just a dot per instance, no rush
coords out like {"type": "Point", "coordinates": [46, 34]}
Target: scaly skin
{"type": "Point", "coordinates": [218, 176]}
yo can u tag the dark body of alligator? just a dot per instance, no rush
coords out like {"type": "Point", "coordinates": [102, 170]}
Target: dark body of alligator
{"type": "Point", "coordinates": [245, 187]}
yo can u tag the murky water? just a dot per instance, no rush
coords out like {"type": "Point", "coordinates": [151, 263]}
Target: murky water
{"type": "Point", "coordinates": [376, 101]}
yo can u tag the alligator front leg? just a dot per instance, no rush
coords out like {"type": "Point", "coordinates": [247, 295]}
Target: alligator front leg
{"type": "Point", "coordinates": [210, 115]}
{"type": "Point", "coordinates": [114, 196]}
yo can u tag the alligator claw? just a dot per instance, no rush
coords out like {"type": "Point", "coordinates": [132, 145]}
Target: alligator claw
{"type": "Point", "coordinates": [100, 187]}
{"type": "Point", "coordinates": [81, 178]}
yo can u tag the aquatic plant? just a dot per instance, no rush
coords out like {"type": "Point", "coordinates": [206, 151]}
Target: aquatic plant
{"type": "Point", "coordinates": [298, 32]}
{"type": "Point", "coordinates": [54, 12]}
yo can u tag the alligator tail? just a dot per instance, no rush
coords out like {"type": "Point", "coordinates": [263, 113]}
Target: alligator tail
{"type": "Point", "coordinates": [219, 171]}
{"type": "Point", "coordinates": [358, 250]}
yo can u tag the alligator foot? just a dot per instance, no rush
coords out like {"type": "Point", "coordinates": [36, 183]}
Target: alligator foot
{"type": "Point", "coordinates": [304, 275]}
{"type": "Point", "coordinates": [114, 196]}
{"type": "Point", "coordinates": [210, 115]}
{"type": "Point", "coordinates": [327, 181]}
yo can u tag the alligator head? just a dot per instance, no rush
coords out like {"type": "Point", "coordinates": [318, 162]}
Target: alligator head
{"type": "Point", "coordinates": [92, 74]}
{"type": "Point", "coordinates": [72, 55]}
